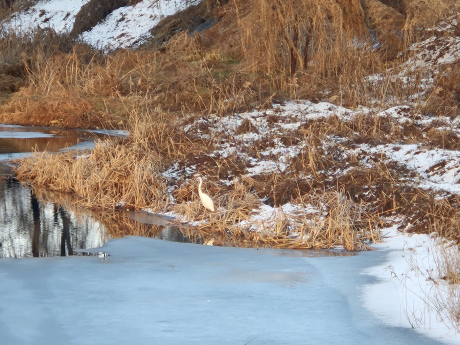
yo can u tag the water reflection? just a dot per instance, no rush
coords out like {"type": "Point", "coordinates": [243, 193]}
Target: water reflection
{"type": "Point", "coordinates": [17, 140]}
{"type": "Point", "coordinates": [37, 223]}
{"type": "Point", "coordinates": [120, 224]}
{"type": "Point", "coordinates": [32, 228]}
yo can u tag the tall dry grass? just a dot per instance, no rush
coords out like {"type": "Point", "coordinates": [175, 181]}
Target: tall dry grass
{"type": "Point", "coordinates": [128, 173]}
{"type": "Point", "coordinates": [288, 35]}
{"type": "Point", "coordinates": [83, 87]}
{"type": "Point", "coordinates": [336, 45]}
{"type": "Point", "coordinates": [258, 51]}
{"type": "Point", "coordinates": [109, 175]}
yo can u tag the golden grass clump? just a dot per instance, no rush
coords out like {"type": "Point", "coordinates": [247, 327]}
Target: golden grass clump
{"type": "Point", "coordinates": [117, 171]}
{"type": "Point", "coordinates": [234, 204]}
{"type": "Point", "coordinates": [109, 175]}
{"type": "Point", "coordinates": [178, 79]}
{"type": "Point", "coordinates": [288, 35]}
{"type": "Point", "coordinates": [346, 224]}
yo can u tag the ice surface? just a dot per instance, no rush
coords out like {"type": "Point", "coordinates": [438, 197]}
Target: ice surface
{"type": "Point", "coordinates": [8, 156]}
{"type": "Point", "coordinates": [83, 145]}
{"type": "Point", "coordinates": [155, 292]}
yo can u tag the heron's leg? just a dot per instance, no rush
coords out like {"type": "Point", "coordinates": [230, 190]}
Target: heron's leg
{"type": "Point", "coordinates": [202, 217]}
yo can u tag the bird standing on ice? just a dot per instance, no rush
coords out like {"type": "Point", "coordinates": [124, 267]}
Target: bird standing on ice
{"type": "Point", "coordinates": [205, 199]}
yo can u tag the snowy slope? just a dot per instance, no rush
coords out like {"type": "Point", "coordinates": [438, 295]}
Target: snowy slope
{"type": "Point", "coordinates": [129, 25]}
{"type": "Point", "coordinates": [124, 27]}
{"type": "Point", "coordinates": [56, 14]}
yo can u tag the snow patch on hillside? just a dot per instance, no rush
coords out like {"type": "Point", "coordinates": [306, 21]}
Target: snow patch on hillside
{"type": "Point", "coordinates": [130, 25]}
{"type": "Point", "coordinates": [58, 15]}
{"type": "Point", "coordinates": [125, 27]}
{"type": "Point", "coordinates": [438, 168]}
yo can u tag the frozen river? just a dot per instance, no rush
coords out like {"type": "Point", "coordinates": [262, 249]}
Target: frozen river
{"type": "Point", "coordinates": [156, 292]}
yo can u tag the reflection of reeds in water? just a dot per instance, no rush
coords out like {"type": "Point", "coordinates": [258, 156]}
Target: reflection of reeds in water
{"type": "Point", "coordinates": [39, 144]}
{"type": "Point", "coordinates": [29, 227]}
{"type": "Point", "coordinates": [116, 224]}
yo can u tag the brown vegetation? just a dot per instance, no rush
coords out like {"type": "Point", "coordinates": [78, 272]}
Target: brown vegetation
{"type": "Point", "coordinates": [255, 53]}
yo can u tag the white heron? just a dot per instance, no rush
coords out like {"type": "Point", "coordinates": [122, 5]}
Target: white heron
{"type": "Point", "coordinates": [205, 199]}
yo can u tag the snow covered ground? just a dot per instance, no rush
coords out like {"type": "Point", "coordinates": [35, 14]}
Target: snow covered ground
{"type": "Point", "coordinates": [125, 27]}
{"type": "Point", "coordinates": [410, 288]}
{"type": "Point", "coordinates": [435, 168]}
{"type": "Point", "coordinates": [156, 292]}
{"type": "Point", "coordinates": [56, 14]}
{"type": "Point", "coordinates": [130, 25]}
{"type": "Point", "coordinates": [438, 168]}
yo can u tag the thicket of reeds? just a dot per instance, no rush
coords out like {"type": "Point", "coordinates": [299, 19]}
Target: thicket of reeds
{"type": "Point", "coordinates": [257, 52]}
{"type": "Point", "coordinates": [346, 225]}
